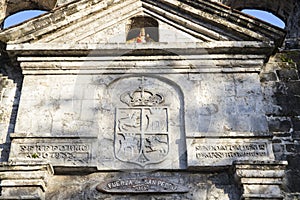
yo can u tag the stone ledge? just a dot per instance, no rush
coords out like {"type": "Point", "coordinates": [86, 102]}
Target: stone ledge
{"type": "Point", "coordinates": [42, 136]}
{"type": "Point", "coordinates": [26, 181]}
{"type": "Point", "coordinates": [9, 166]}
{"type": "Point", "coordinates": [264, 181]}
{"type": "Point", "coordinates": [23, 183]}
{"type": "Point", "coordinates": [258, 163]}
{"type": "Point", "coordinates": [260, 179]}
{"type": "Point", "coordinates": [182, 48]}
{"type": "Point", "coordinates": [23, 197]}
{"type": "Point", "coordinates": [261, 196]}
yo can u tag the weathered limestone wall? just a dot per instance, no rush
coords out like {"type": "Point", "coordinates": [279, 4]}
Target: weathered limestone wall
{"type": "Point", "coordinates": [202, 119]}
{"type": "Point", "coordinates": [208, 186]}
{"type": "Point", "coordinates": [236, 96]}
{"type": "Point", "coordinates": [7, 93]}
{"type": "Point", "coordinates": [80, 118]}
{"type": "Point", "coordinates": [10, 90]}
{"type": "Point", "coordinates": [281, 84]}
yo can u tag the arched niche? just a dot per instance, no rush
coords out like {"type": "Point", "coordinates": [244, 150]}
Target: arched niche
{"type": "Point", "coordinates": [142, 29]}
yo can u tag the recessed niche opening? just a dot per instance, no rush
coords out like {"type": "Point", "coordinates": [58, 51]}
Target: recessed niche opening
{"type": "Point", "coordinates": [142, 30]}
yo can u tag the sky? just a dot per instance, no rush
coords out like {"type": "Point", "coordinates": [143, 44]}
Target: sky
{"type": "Point", "coordinates": [22, 16]}
{"type": "Point", "coordinates": [265, 16]}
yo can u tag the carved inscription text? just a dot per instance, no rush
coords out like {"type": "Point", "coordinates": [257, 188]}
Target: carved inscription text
{"type": "Point", "coordinates": [224, 151]}
{"type": "Point", "coordinates": [63, 152]}
{"type": "Point", "coordinates": [140, 185]}
{"type": "Point", "coordinates": [219, 151]}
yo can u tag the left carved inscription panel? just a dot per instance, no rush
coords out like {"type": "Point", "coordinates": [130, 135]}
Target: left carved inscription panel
{"type": "Point", "coordinates": [58, 152]}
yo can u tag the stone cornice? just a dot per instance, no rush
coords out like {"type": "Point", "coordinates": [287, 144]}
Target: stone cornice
{"type": "Point", "coordinates": [109, 49]}
{"type": "Point", "coordinates": [210, 21]}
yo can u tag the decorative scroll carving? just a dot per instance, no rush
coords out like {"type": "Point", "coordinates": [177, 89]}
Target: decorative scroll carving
{"type": "Point", "coordinates": [142, 97]}
{"type": "Point", "coordinates": [141, 185]}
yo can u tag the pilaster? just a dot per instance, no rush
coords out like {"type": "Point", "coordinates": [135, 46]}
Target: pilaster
{"type": "Point", "coordinates": [260, 179]}
{"type": "Point", "coordinates": [28, 181]}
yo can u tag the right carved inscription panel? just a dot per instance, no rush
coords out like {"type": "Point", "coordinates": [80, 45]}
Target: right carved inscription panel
{"type": "Point", "coordinates": [222, 152]}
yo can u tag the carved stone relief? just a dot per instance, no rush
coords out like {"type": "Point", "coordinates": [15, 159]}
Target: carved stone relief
{"type": "Point", "coordinates": [141, 185]}
{"type": "Point", "coordinates": [146, 116]}
{"type": "Point", "coordinates": [141, 131]}
{"type": "Point", "coordinates": [57, 151]}
{"type": "Point", "coordinates": [222, 152]}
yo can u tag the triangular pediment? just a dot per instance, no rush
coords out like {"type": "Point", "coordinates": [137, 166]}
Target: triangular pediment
{"type": "Point", "coordinates": [108, 21]}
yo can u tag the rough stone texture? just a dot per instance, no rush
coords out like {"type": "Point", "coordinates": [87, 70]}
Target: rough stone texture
{"type": "Point", "coordinates": [260, 181]}
{"type": "Point", "coordinates": [283, 112]}
{"type": "Point", "coordinates": [201, 19]}
{"type": "Point", "coordinates": [7, 93]}
{"type": "Point", "coordinates": [11, 80]}
{"type": "Point", "coordinates": [287, 11]}
{"type": "Point", "coordinates": [9, 7]}
{"type": "Point", "coordinates": [196, 109]}
{"type": "Point", "coordinates": [24, 181]}
{"type": "Point", "coordinates": [201, 186]}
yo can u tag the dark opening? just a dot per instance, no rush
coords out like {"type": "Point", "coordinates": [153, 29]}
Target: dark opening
{"type": "Point", "coordinates": [142, 30]}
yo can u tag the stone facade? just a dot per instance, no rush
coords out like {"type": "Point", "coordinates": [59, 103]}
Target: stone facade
{"type": "Point", "coordinates": [287, 11]}
{"type": "Point", "coordinates": [142, 99]}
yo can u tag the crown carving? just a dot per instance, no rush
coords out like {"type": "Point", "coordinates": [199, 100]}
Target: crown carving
{"type": "Point", "coordinates": [142, 97]}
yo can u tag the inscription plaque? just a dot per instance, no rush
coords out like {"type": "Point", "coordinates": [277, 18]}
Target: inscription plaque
{"type": "Point", "coordinates": [77, 152]}
{"type": "Point", "coordinates": [221, 152]}
{"type": "Point", "coordinates": [141, 185]}
{"type": "Point", "coordinates": [58, 152]}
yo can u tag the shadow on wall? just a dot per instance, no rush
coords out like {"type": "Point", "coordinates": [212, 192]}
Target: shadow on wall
{"type": "Point", "coordinates": [10, 96]}
{"type": "Point", "coordinates": [202, 185]}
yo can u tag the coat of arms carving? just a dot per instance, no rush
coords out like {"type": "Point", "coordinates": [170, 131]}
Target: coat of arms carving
{"type": "Point", "coordinates": [141, 127]}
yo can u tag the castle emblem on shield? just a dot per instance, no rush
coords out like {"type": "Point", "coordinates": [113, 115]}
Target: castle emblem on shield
{"type": "Point", "coordinates": [141, 127]}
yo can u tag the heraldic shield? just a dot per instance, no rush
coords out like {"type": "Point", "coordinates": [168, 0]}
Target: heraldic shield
{"type": "Point", "coordinates": [141, 129]}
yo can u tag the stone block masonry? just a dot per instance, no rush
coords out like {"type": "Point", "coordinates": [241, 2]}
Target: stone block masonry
{"type": "Point", "coordinates": [207, 109]}
{"type": "Point", "coordinates": [283, 111]}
